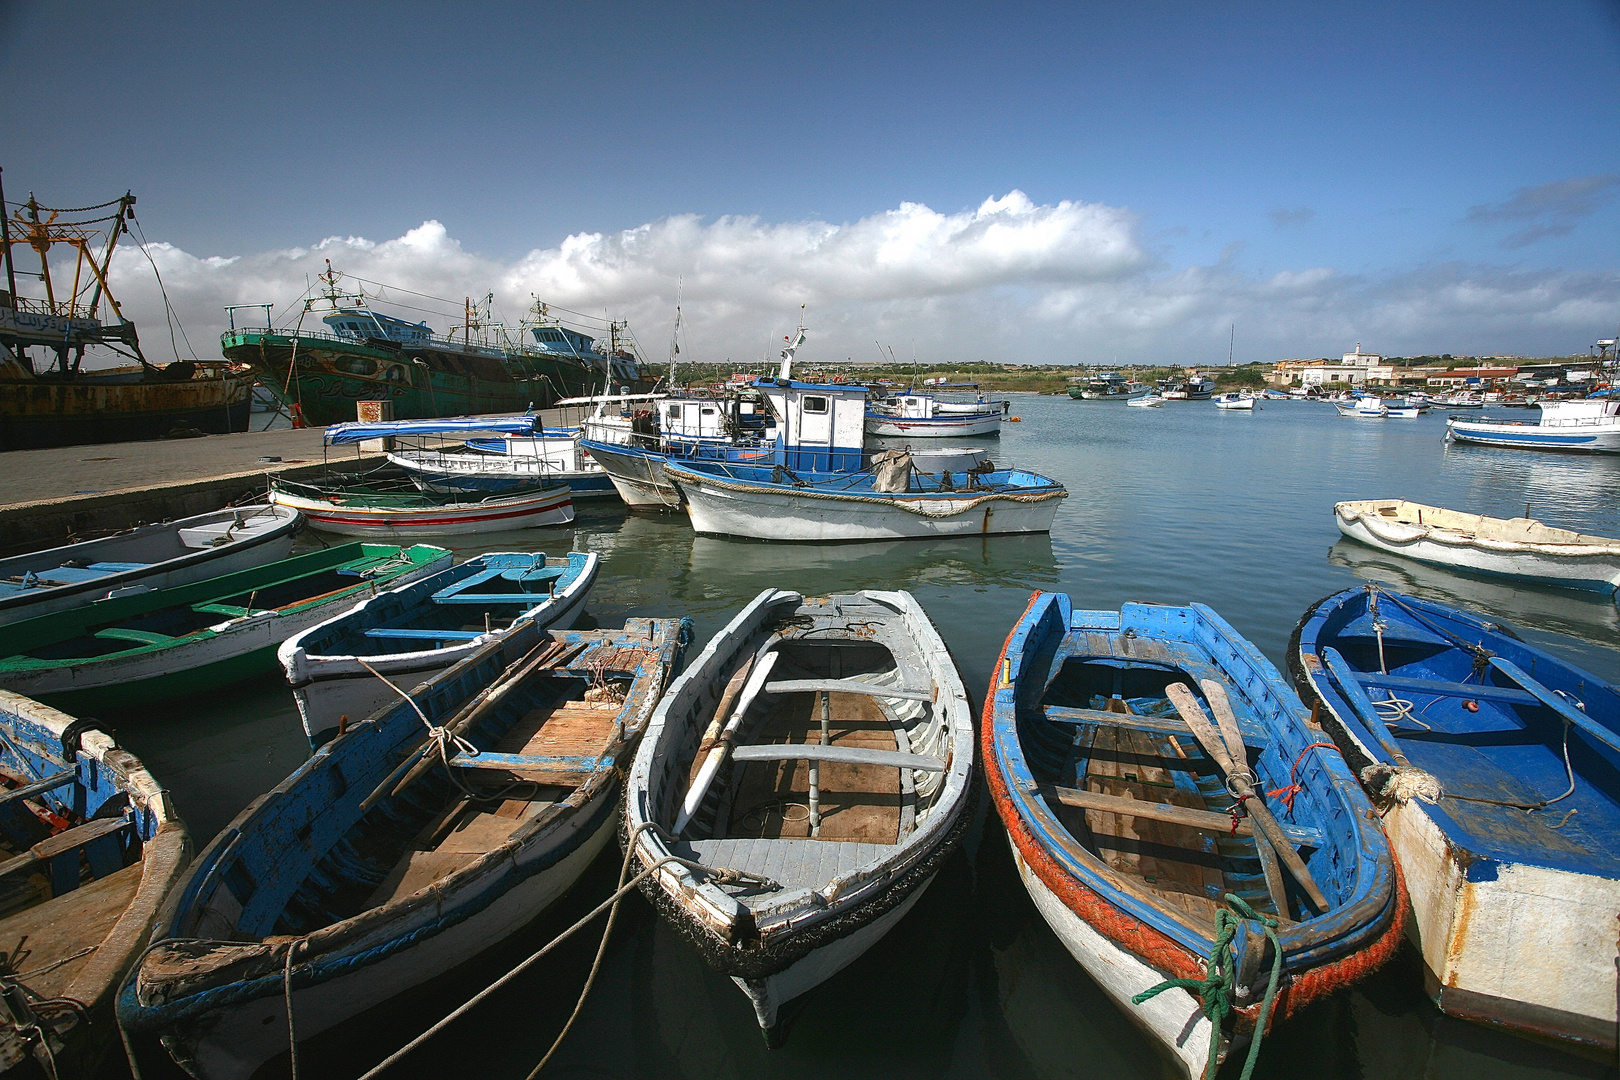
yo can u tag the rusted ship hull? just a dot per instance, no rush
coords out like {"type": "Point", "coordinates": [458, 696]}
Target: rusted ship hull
{"type": "Point", "coordinates": [119, 407]}
{"type": "Point", "coordinates": [329, 376]}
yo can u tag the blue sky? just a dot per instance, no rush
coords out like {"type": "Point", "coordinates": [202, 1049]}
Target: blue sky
{"type": "Point", "coordinates": [1419, 177]}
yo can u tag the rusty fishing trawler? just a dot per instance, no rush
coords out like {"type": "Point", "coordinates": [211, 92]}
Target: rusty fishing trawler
{"type": "Point", "coordinates": [479, 367]}
{"type": "Point", "coordinates": [48, 396]}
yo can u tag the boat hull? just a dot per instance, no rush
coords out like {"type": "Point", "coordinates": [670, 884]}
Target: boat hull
{"type": "Point", "coordinates": [552, 507]}
{"type": "Point", "coordinates": [232, 1042]}
{"type": "Point", "coordinates": [638, 477]}
{"type": "Point", "coordinates": [719, 508]}
{"type": "Point", "coordinates": [262, 546]}
{"type": "Point", "coordinates": [1174, 1019]}
{"type": "Point", "coordinates": [1594, 439]}
{"type": "Point", "coordinates": [39, 413]}
{"type": "Point", "coordinates": [1596, 572]}
{"type": "Point", "coordinates": [939, 427]}
{"type": "Point", "coordinates": [330, 689]}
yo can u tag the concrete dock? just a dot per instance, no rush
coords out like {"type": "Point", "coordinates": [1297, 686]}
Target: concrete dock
{"type": "Point", "coordinates": [67, 493]}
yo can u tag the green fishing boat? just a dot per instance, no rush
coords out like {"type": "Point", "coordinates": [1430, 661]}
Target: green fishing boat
{"type": "Point", "coordinates": [367, 355]}
{"type": "Point", "coordinates": [172, 643]}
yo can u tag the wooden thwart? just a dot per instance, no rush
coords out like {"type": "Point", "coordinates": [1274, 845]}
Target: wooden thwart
{"type": "Point", "coordinates": [1174, 815]}
{"type": "Point", "coordinates": [845, 686]}
{"type": "Point", "coordinates": [848, 755]}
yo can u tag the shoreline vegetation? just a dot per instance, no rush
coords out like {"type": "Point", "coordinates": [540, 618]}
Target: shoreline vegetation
{"type": "Point", "coordinates": [1030, 378]}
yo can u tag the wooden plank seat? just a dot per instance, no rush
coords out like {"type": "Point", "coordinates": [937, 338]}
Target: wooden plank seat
{"type": "Point", "coordinates": [564, 771]}
{"type": "Point", "coordinates": [140, 637]}
{"type": "Point", "coordinates": [791, 862]}
{"type": "Point", "coordinates": [1162, 725]}
{"type": "Point", "coordinates": [97, 838]}
{"type": "Point", "coordinates": [1176, 815]}
{"type": "Point", "coordinates": [423, 635]}
{"type": "Point", "coordinates": [1508, 695]}
{"type": "Point", "coordinates": [845, 686]}
{"type": "Point", "coordinates": [846, 755]}
{"type": "Point", "coordinates": [74, 575]}
{"type": "Point", "coordinates": [38, 787]}
{"type": "Point", "coordinates": [458, 593]}
{"type": "Point", "coordinates": [233, 610]}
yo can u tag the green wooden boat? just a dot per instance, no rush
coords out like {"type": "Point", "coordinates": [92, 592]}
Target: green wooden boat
{"type": "Point", "coordinates": [171, 643]}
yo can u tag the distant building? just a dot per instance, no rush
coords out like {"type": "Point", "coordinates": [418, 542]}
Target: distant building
{"type": "Point", "coordinates": [1362, 359]}
{"type": "Point", "coordinates": [1466, 376]}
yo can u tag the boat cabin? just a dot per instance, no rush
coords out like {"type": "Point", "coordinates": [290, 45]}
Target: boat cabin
{"type": "Point", "coordinates": [820, 428]}
{"type": "Point", "coordinates": [361, 324]}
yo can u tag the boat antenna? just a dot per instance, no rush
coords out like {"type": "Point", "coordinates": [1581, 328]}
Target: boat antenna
{"type": "Point", "coordinates": [794, 342]}
{"type": "Point", "coordinates": [5, 242]}
{"type": "Point", "coordinates": [675, 335]}
{"type": "Point", "coordinates": [1231, 341]}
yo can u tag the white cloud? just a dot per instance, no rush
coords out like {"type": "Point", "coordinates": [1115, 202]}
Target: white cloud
{"type": "Point", "coordinates": [1010, 280]}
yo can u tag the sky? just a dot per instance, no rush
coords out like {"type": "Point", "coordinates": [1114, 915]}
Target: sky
{"type": "Point", "coordinates": [1106, 183]}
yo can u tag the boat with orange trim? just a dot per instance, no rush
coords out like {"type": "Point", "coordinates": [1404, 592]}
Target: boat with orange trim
{"type": "Point", "coordinates": [1192, 838]}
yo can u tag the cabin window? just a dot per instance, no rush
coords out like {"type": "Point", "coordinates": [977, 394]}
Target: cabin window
{"type": "Point", "coordinates": [356, 365]}
{"type": "Point", "coordinates": [815, 404]}
{"type": "Point", "coordinates": [708, 412]}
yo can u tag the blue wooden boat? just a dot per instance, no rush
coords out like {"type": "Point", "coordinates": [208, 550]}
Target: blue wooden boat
{"type": "Point", "coordinates": [1118, 792]}
{"type": "Point", "coordinates": [1497, 769]}
{"type": "Point", "coordinates": [372, 868]}
{"type": "Point", "coordinates": [89, 846]}
{"type": "Point", "coordinates": [409, 634]}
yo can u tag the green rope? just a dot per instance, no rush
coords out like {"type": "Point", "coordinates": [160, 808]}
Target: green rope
{"type": "Point", "coordinates": [1215, 989]}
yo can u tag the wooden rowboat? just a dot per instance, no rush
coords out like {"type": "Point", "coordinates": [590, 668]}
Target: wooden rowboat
{"type": "Point", "coordinates": [811, 771]}
{"type": "Point", "coordinates": [372, 868]}
{"type": "Point", "coordinates": [171, 643]}
{"type": "Point", "coordinates": [1519, 548]}
{"type": "Point", "coordinates": [1497, 768]}
{"type": "Point", "coordinates": [148, 557]}
{"type": "Point", "coordinates": [411, 633]}
{"type": "Point", "coordinates": [91, 845]}
{"type": "Point", "coordinates": [378, 510]}
{"type": "Point", "coordinates": [1117, 789]}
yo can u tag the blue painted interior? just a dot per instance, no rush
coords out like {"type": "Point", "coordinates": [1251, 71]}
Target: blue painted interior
{"type": "Point", "coordinates": [1510, 747]}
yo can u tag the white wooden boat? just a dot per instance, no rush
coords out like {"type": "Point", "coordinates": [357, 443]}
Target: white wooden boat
{"type": "Point", "coordinates": [1149, 401]}
{"type": "Point", "coordinates": [1520, 548]}
{"type": "Point", "coordinates": [765, 503]}
{"type": "Point", "coordinates": [92, 845]}
{"type": "Point", "coordinates": [1402, 412]}
{"type": "Point", "coordinates": [371, 869]}
{"type": "Point", "coordinates": [814, 767]}
{"type": "Point", "coordinates": [1587, 426]}
{"type": "Point", "coordinates": [934, 415]}
{"type": "Point", "coordinates": [148, 557]}
{"type": "Point", "coordinates": [352, 506]}
{"type": "Point", "coordinates": [1364, 408]}
{"type": "Point", "coordinates": [411, 633]}
{"type": "Point", "coordinates": [1235, 401]}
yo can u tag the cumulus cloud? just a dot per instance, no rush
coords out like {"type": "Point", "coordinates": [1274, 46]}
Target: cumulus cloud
{"type": "Point", "coordinates": [1009, 280]}
{"type": "Point", "coordinates": [1292, 217]}
{"type": "Point", "coordinates": [1550, 209]}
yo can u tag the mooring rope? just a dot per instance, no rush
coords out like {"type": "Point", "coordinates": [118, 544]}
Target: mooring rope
{"type": "Point", "coordinates": [1215, 989]}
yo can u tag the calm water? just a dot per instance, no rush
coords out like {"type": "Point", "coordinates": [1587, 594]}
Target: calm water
{"type": "Point", "coordinates": [1184, 503]}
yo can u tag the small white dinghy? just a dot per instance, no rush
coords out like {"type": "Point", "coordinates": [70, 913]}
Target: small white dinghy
{"type": "Point", "coordinates": [1241, 402]}
{"type": "Point", "coordinates": [1520, 548]}
{"type": "Point", "coordinates": [1151, 401]}
{"type": "Point", "coordinates": [812, 771]}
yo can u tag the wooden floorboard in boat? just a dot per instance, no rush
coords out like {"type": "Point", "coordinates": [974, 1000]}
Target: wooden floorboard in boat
{"type": "Point", "coordinates": [573, 729]}
{"type": "Point", "coordinates": [56, 929]}
{"type": "Point", "coordinates": [859, 803]}
{"type": "Point", "coordinates": [1139, 847]}
{"type": "Point", "coordinates": [472, 836]}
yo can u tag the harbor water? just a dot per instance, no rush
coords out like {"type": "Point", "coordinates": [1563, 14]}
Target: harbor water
{"type": "Point", "coordinates": [1185, 503]}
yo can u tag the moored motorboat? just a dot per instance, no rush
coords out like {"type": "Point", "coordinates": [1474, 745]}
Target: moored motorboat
{"type": "Point", "coordinates": [395, 510]}
{"type": "Point", "coordinates": [172, 643]}
{"type": "Point", "coordinates": [1236, 401]}
{"type": "Point", "coordinates": [1589, 426]}
{"type": "Point", "coordinates": [148, 557]}
{"type": "Point", "coordinates": [1117, 790]}
{"type": "Point", "coordinates": [372, 868]}
{"type": "Point", "coordinates": [1110, 386]}
{"type": "Point", "coordinates": [935, 413]}
{"type": "Point", "coordinates": [92, 844]}
{"type": "Point", "coordinates": [1152, 400]}
{"type": "Point", "coordinates": [411, 633]}
{"type": "Point", "coordinates": [1494, 765]}
{"type": "Point", "coordinates": [887, 502]}
{"type": "Point", "coordinates": [812, 768]}
{"type": "Point", "coordinates": [1520, 548]}
{"type": "Point", "coordinates": [1364, 408]}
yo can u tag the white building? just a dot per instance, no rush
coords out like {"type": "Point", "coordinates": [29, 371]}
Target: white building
{"type": "Point", "coordinates": [1362, 359]}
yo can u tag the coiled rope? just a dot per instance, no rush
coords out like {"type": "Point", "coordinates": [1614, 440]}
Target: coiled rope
{"type": "Point", "coordinates": [1216, 988]}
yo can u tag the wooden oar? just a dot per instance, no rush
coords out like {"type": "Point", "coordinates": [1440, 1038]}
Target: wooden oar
{"type": "Point", "coordinates": [1243, 784]}
{"type": "Point", "coordinates": [549, 653]}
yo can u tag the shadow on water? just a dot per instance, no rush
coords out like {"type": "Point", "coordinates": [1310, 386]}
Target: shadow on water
{"type": "Point", "coordinates": [1171, 505]}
